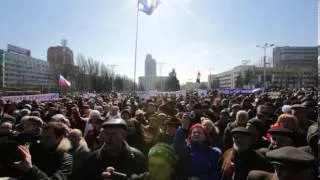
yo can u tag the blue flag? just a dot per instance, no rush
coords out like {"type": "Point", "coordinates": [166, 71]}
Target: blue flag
{"type": "Point", "coordinates": [148, 8]}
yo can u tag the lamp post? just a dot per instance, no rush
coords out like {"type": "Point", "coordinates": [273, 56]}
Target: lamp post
{"type": "Point", "coordinates": [112, 66]}
{"type": "Point", "coordinates": [264, 47]}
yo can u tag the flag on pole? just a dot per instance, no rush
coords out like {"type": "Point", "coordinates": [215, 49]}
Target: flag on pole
{"type": "Point", "coordinates": [63, 82]}
{"type": "Point", "coordinates": [198, 77]}
{"type": "Point", "coordinates": [148, 6]}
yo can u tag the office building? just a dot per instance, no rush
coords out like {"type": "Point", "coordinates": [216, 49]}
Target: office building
{"type": "Point", "coordinates": [150, 66]}
{"type": "Point", "coordinates": [295, 57]}
{"type": "Point", "coordinates": [25, 72]}
{"type": "Point", "coordinates": [275, 77]}
{"type": "Point", "coordinates": [60, 55]}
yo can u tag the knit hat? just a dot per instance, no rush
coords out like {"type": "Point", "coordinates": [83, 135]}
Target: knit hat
{"type": "Point", "coordinates": [286, 108]}
{"type": "Point", "coordinates": [200, 126]}
{"type": "Point", "coordinates": [164, 151]}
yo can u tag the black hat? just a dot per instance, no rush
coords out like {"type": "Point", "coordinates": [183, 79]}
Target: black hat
{"type": "Point", "coordinates": [281, 131]}
{"type": "Point", "coordinates": [117, 123]}
{"type": "Point", "coordinates": [291, 156]}
{"type": "Point", "coordinates": [242, 130]}
{"type": "Point", "coordinates": [309, 103]}
{"type": "Point", "coordinates": [257, 123]}
{"type": "Point", "coordinates": [312, 132]}
{"type": "Point", "coordinates": [297, 106]}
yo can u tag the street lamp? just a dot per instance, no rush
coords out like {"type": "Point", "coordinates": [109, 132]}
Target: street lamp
{"type": "Point", "coordinates": [210, 81]}
{"type": "Point", "coordinates": [264, 47]}
{"type": "Point", "coordinates": [112, 66]}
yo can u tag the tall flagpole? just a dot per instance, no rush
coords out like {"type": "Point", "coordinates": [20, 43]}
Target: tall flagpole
{"type": "Point", "coordinates": [135, 51]}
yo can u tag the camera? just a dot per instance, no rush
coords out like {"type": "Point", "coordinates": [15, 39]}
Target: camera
{"type": "Point", "coordinates": [9, 143]}
{"type": "Point", "coordinates": [192, 115]}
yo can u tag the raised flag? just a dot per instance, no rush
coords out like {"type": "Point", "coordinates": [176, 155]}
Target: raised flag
{"type": "Point", "coordinates": [198, 77]}
{"type": "Point", "coordinates": [148, 6]}
{"type": "Point", "coordinates": [63, 82]}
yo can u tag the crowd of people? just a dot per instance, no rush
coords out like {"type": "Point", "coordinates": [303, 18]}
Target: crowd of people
{"type": "Point", "coordinates": [264, 136]}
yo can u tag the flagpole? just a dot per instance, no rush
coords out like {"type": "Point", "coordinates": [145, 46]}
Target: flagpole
{"type": "Point", "coordinates": [135, 52]}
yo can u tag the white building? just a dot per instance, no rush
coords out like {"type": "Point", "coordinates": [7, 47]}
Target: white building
{"type": "Point", "coordinates": [22, 71]}
{"type": "Point", "coordinates": [152, 82]}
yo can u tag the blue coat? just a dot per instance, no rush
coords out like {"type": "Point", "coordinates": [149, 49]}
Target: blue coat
{"type": "Point", "coordinates": [196, 161]}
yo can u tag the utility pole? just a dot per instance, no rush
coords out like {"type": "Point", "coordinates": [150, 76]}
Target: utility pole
{"type": "Point", "coordinates": [160, 72]}
{"type": "Point", "coordinates": [112, 66]}
{"type": "Point", "coordinates": [264, 48]}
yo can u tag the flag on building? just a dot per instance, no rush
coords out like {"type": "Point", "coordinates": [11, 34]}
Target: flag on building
{"type": "Point", "coordinates": [63, 82]}
{"type": "Point", "coordinates": [198, 77]}
{"type": "Point", "coordinates": [148, 6]}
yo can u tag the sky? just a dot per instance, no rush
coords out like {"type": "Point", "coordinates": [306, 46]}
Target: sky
{"type": "Point", "coordinates": [188, 35]}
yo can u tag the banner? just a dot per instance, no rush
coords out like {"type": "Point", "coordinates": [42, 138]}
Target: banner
{"type": "Point", "coordinates": [148, 94]}
{"type": "Point", "coordinates": [39, 97]}
{"type": "Point", "coordinates": [240, 91]}
{"type": "Point", "coordinates": [89, 95]}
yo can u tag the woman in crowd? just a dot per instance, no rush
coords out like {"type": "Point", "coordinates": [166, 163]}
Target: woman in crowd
{"type": "Point", "coordinates": [213, 132]}
{"type": "Point", "coordinates": [197, 158]}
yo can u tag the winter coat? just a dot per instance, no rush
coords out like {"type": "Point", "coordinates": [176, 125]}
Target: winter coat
{"type": "Point", "coordinates": [195, 161]}
{"type": "Point", "coordinates": [236, 166]}
{"type": "Point", "coordinates": [49, 164]}
{"type": "Point", "coordinates": [129, 161]}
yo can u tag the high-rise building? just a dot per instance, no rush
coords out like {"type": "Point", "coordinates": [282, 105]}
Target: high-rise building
{"type": "Point", "coordinates": [60, 55]}
{"type": "Point", "coordinates": [150, 66]}
{"type": "Point", "coordinates": [295, 57]}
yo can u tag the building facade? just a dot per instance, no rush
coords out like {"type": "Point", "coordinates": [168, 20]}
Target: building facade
{"type": "Point", "coordinates": [252, 76]}
{"type": "Point", "coordinates": [150, 66]}
{"type": "Point", "coordinates": [60, 55]}
{"type": "Point", "coordinates": [295, 57]}
{"type": "Point", "coordinates": [152, 82]}
{"type": "Point", "coordinates": [25, 72]}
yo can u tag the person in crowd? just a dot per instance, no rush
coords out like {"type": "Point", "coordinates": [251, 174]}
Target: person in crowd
{"type": "Point", "coordinates": [79, 149]}
{"type": "Point", "coordinates": [298, 110]}
{"type": "Point", "coordinates": [241, 120]}
{"type": "Point", "coordinates": [162, 161]}
{"type": "Point", "coordinates": [114, 113]}
{"type": "Point", "coordinates": [125, 114]}
{"type": "Point", "coordinates": [60, 118]}
{"type": "Point", "coordinates": [140, 117]}
{"type": "Point", "coordinates": [171, 125]}
{"type": "Point", "coordinates": [259, 141]}
{"type": "Point", "coordinates": [197, 159]}
{"type": "Point", "coordinates": [152, 131]}
{"type": "Point", "coordinates": [135, 135]}
{"type": "Point", "coordinates": [32, 124]}
{"type": "Point", "coordinates": [92, 137]}
{"type": "Point", "coordinates": [312, 140]}
{"type": "Point", "coordinates": [234, 110]}
{"type": "Point", "coordinates": [6, 127]}
{"type": "Point", "coordinates": [213, 132]}
{"type": "Point", "coordinates": [280, 137]}
{"type": "Point", "coordinates": [223, 121]}
{"type": "Point", "coordinates": [238, 161]}
{"type": "Point", "coordinates": [290, 164]}
{"type": "Point", "coordinates": [49, 159]}
{"type": "Point", "coordinates": [115, 153]}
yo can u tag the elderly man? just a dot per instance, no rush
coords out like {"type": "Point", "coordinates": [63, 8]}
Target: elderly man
{"type": "Point", "coordinates": [290, 164]}
{"type": "Point", "coordinates": [239, 160]}
{"type": "Point", "coordinates": [241, 120]}
{"type": "Point", "coordinates": [115, 153]}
